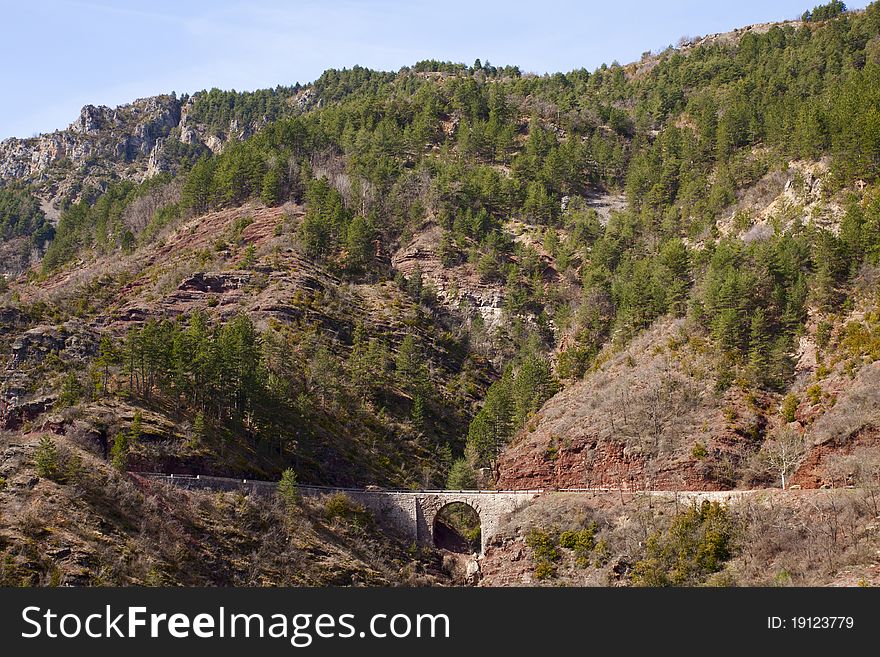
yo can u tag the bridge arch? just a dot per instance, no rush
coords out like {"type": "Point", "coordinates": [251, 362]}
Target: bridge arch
{"type": "Point", "coordinates": [453, 526]}
{"type": "Point", "coordinates": [490, 507]}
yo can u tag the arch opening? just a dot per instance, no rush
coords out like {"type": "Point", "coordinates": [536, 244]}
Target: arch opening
{"type": "Point", "coordinates": [457, 528]}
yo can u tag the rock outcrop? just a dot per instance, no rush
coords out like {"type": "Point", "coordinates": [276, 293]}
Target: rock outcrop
{"type": "Point", "coordinates": [22, 395]}
{"type": "Point", "coordinates": [133, 141]}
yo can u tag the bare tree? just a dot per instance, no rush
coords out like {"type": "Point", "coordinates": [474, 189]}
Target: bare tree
{"type": "Point", "coordinates": [861, 468]}
{"type": "Point", "coordinates": [783, 453]}
{"type": "Point", "coordinates": [654, 410]}
{"type": "Point", "coordinates": [140, 212]}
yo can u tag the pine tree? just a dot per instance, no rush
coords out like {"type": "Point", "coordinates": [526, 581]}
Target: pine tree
{"type": "Point", "coordinates": [759, 346]}
{"type": "Point", "coordinates": [46, 458]}
{"type": "Point", "coordinates": [418, 414]}
{"type": "Point", "coordinates": [532, 386]}
{"type": "Point", "coordinates": [461, 476]}
{"type": "Point", "coordinates": [408, 363]}
{"type": "Point", "coordinates": [494, 424]}
{"type": "Point", "coordinates": [288, 488]}
{"type": "Point", "coordinates": [107, 358]}
{"type": "Point", "coordinates": [198, 190]}
{"type": "Point", "coordinates": [324, 375]}
{"type": "Point", "coordinates": [200, 429]}
{"type": "Point", "coordinates": [675, 275]}
{"type": "Point", "coordinates": [249, 259]}
{"type": "Point", "coordinates": [71, 390]}
{"type": "Point", "coordinates": [359, 244]}
{"type": "Point", "coordinates": [119, 451]}
{"type": "Point", "coordinates": [270, 192]}
{"type": "Point", "coordinates": [360, 366]}
{"type": "Point", "coordinates": [239, 356]}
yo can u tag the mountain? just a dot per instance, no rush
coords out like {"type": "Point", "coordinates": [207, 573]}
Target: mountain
{"type": "Point", "coordinates": [662, 275]}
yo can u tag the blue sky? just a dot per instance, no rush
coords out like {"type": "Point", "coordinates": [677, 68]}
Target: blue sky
{"type": "Point", "coordinates": [58, 55]}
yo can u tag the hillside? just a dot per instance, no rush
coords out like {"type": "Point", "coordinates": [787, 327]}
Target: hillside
{"type": "Point", "coordinates": [85, 524]}
{"type": "Point", "coordinates": [764, 538]}
{"type": "Point", "coordinates": [662, 275]}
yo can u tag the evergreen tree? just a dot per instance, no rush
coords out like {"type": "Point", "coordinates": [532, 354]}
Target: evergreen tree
{"type": "Point", "coordinates": [418, 413]}
{"type": "Point", "coordinates": [46, 458]}
{"type": "Point", "coordinates": [198, 190]}
{"type": "Point", "coordinates": [759, 346]}
{"type": "Point", "coordinates": [119, 451]}
{"type": "Point", "coordinates": [270, 192]}
{"type": "Point", "coordinates": [359, 244]}
{"type": "Point", "coordinates": [493, 425]}
{"type": "Point", "coordinates": [409, 364]}
{"type": "Point", "coordinates": [288, 488]}
{"type": "Point", "coordinates": [461, 476]}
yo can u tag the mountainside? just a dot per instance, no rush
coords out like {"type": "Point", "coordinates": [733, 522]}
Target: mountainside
{"type": "Point", "coordinates": [662, 275]}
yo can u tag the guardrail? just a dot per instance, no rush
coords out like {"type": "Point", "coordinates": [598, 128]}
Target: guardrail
{"type": "Point", "coordinates": [421, 491]}
{"type": "Point", "coordinates": [341, 489]}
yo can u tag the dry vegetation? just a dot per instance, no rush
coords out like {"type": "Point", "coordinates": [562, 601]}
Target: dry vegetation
{"type": "Point", "coordinates": [798, 538]}
{"type": "Point", "coordinates": [86, 524]}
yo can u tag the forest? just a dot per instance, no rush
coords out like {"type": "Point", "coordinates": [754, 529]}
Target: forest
{"type": "Point", "coordinates": [472, 148]}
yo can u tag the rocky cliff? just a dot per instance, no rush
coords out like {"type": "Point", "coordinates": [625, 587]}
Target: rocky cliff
{"type": "Point", "coordinates": [132, 141]}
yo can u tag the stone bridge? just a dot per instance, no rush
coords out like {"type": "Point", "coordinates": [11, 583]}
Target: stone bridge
{"type": "Point", "coordinates": [412, 513]}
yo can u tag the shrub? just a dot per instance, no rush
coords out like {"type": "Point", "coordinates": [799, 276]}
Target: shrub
{"type": "Point", "coordinates": [340, 505]}
{"type": "Point", "coordinates": [697, 543]}
{"type": "Point", "coordinates": [602, 553]}
{"type": "Point", "coordinates": [543, 545]}
{"type": "Point", "coordinates": [789, 407]}
{"type": "Point", "coordinates": [581, 542]}
{"type": "Point", "coordinates": [699, 450]}
{"type": "Point", "coordinates": [545, 570]}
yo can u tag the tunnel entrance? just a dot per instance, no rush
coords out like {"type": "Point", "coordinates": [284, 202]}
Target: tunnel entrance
{"type": "Point", "coordinates": [457, 528]}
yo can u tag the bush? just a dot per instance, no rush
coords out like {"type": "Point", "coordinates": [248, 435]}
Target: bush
{"type": "Point", "coordinates": [697, 543]}
{"type": "Point", "coordinates": [340, 505]}
{"type": "Point", "coordinates": [581, 542]}
{"type": "Point", "coordinates": [545, 570]}
{"type": "Point", "coordinates": [543, 545]}
{"type": "Point", "coordinates": [789, 407]}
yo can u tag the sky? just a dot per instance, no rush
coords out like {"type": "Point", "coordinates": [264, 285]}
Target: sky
{"type": "Point", "coordinates": [58, 55]}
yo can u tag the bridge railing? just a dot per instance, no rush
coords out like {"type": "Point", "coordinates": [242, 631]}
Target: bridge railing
{"type": "Point", "coordinates": [207, 480]}
{"type": "Point", "coordinates": [333, 489]}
